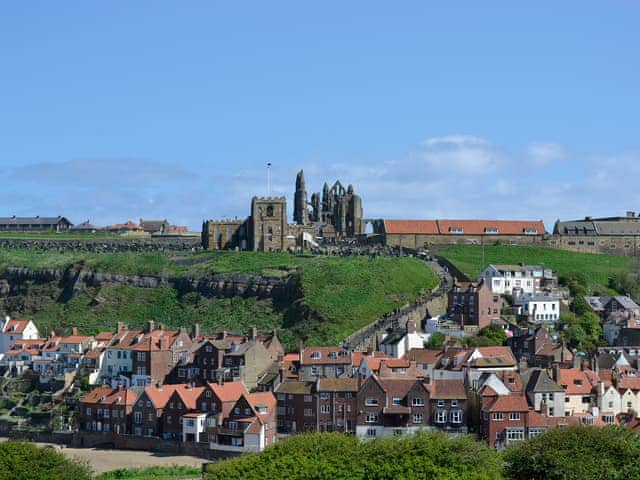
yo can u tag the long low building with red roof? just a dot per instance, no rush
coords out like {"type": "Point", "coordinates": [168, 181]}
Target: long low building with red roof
{"type": "Point", "coordinates": [416, 233]}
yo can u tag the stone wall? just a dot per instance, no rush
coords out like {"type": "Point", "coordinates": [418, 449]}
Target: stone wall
{"type": "Point", "coordinates": [417, 241]}
{"type": "Point", "coordinates": [628, 246]}
{"type": "Point", "coordinates": [149, 244]}
{"type": "Point", "coordinates": [84, 439]}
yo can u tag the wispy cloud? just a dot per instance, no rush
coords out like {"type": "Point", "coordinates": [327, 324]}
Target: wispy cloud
{"type": "Point", "coordinates": [450, 176]}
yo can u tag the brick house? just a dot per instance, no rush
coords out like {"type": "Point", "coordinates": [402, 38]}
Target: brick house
{"type": "Point", "coordinates": [448, 405]}
{"type": "Point", "coordinates": [337, 404]}
{"type": "Point", "coordinates": [107, 409]}
{"type": "Point", "coordinates": [537, 348]}
{"type": "Point", "coordinates": [183, 400]}
{"type": "Point", "coordinates": [148, 410]}
{"type": "Point", "coordinates": [250, 426]}
{"type": "Point", "coordinates": [154, 355]}
{"type": "Point", "coordinates": [391, 407]}
{"type": "Point", "coordinates": [297, 409]}
{"type": "Point", "coordinates": [503, 420]}
{"type": "Point", "coordinates": [473, 305]}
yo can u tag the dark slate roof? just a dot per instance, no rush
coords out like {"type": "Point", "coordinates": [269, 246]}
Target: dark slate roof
{"type": "Point", "coordinates": [599, 226]}
{"type": "Point", "coordinates": [538, 381]}
{"type": "Point", "coordinates": [32, 220]}
{"type": "Point", "coordinates": [625, 301]}
{"type": "Point", "coordinates": [295, 387]}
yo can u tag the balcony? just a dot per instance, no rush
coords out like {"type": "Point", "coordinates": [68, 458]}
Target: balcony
{"type": "Point", "coordinates": [234, 432]}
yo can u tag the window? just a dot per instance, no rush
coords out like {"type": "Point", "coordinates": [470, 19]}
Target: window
{"type": "Point", "coordinates": [456, 230]}
{"type": "Point", "coordinates": [441, 416]}
{"type": "Point", "coordinates": [418, 418]}
{"type": "Point", "coordinates": [308, 398]}
{"type": "Point", "coordinates": [371, 432]}
{"type": "Point", "coordinates": [454, 403]}
{"type": "Point", "coordinates": [208, 394]}
{"type": "Point", "coordinates": [169, 419]}
{"type": "Point", "coordinates": [371, 401]}
{"type": "Point", "coordinates": [315, 355]}
{"type": "Point", "coordinates": [324, 395]}
{"type": "Point", "coordinates": [148, 403]}
{"type": "Point", "coordinates": [534, 432]}
{"type": "Point", "coordinates": [371, 417]}
{"type": "Point", "coordinates": [417, 402]}
{"type": "Point", "coordinates": [440, 403]}
{"type": "Point", "coordinates": [396, 401]}
{"type": "Point", "coordinates": [137, 417]}
{"type": "Point", "coordinates": [208, 349]}
{"type": "Point", "coordinates": [333, 355]}
{"type": "Point", "coordinates": [515, 434]}
{"type": "Point", "coordinates": [609, 419]}
{"type": "Point", "coordinates": [141, 356]}
{"type": "Point", "coordinates": [491, 230]}
{"type": "Point", "coordinates": [456, 416]}
{"type": "Point", "coordinates": [348, 395]}
{"type": "Point", "coordinates": [308, 412]}
{"type": "Point", "coordinates": [498, 416]}
{"type": "Point", "coordinates": [270, 211]}
{"type": "Point", "coordinates": [282, 396]}
{"type": "Point", "coordinates": [88, 411]}
{"type": "Point", "coordinates": [204, 406]}
{"type": "Point", "coordinates": [629, 404]}
{"type": "Point", "coordinates": [514, 416]}
{"type": "Point", "coordinates": [325, 408]}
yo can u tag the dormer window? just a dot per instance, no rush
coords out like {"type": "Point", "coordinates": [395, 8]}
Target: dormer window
{"type": "Point", "coordinates": [491, 230]}
{"type": "Point", "coordinates": [456, 230]}
{"type": "Point", "coordinates": [530, 231]}
{"type": "Point", "coordinates": [333, 355]}
{"type": "Point", "coordinates": [315, 355]}
{"type": "Point", "coordinates": [577, 382]}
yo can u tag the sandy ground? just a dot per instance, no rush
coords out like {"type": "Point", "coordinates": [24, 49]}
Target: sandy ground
{"type": "Point", "coordinates": [102, 460]}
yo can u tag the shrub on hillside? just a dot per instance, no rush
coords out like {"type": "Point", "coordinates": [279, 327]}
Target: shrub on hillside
{"type": "Point", "coordinates": [26, 461]}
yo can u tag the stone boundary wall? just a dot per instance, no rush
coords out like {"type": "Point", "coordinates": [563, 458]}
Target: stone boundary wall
{"type": "Point", "coordinates": [112, 245]}
{"type": "Point", "coordinates": [84, 439]}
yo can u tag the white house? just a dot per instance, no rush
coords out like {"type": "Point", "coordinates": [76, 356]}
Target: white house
{"type": "Point", "coordinates": [540, 308]}
{"type": "Point", "coordinates": [517, 279]}
{"type": "Point", "coordinates": [12, 330]}
{"type": "Point", "coordinates": [396, 344]}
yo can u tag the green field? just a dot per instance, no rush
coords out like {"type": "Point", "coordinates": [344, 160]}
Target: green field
{"type": "Point", "coordinates": [596, 268]}
{"type": "Point", "coordinates": [174, 472]}
{"type": "Point", "coordinates": [339, 295]}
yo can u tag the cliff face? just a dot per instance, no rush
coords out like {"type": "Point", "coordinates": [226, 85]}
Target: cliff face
{"type": "Point", "coordinates": [14, 281]}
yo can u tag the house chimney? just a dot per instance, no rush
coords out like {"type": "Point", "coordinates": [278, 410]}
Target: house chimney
{"type": "Point", "coordinates": [121, 327]}
{"type": "Point", "coordinates": [223, 335]}
{"type": "Point", "coordinates": [254, 333]}
{"type": "Point", "coordinates": [411, 326]}
{"type": "Point", "coordinates": [195, 330]}
{"type": "Point", "coordinates": [151, 325]}
{"type": "Point", "coordinates": [556, 373]}
{"type": "Point", "coordinates": [577, 359]}
{"type": "Point", "coordinates": [74, 331]}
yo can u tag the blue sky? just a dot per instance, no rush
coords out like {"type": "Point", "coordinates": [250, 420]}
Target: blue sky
{"type": "Point", "coordinates": [118, 110]}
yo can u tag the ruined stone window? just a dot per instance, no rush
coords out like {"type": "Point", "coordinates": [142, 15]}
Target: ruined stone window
{"type": "Point", "coordinates": [270, 211]}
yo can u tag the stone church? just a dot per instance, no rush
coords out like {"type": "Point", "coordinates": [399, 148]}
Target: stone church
{"type": "Point", "coordinates": [336, 214]}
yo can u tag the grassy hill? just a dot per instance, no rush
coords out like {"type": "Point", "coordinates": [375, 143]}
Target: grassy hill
{"type": "Point", "coordinates": [339, 295]}
{"type": "Point", "coordinates": [596, 268]}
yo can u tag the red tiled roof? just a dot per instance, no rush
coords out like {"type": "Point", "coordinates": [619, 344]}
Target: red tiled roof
{"type": "Point", "coordinates": [15, 326]}
{"type": "Point", "coordinates": [509, 403]}
{"type": "Point", "coordinates": [423, 227]}
{"type": "Point", "coordinates": [159, 396]}
{"type": "Point", "coordinates": [229, 392]}
{"type": "Point", "coordinates": [110, 396]}
{"type": "Point", "coordinates": [340, 357]}
{"type": "Point", "coordinates": [74, 339]}
{"type": "Point", "coordinates": [478, 227]}
{"type": "Point", "coordinates": [423, 355]}
{"type": "Point", "coordinates": [189, 395]}
{"type": "Point", "coordinates": [575, 381]}
{"type": "Point", "coordinates": [447, 389]}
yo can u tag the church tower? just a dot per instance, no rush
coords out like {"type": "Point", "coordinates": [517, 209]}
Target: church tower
{"type": "Point", "coordinates": [300, 212]}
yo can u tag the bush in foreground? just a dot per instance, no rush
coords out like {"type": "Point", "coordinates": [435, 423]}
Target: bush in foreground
{"type": "Point", "coordinates": [576, 453]}
{"type": "Point", "coordinates": [340, 457]}
{"type": "Point", "coordinates": [26, 461]}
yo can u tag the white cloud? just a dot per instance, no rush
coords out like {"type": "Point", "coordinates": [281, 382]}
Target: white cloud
{"type": "Point", "coordinates": [544, 153]}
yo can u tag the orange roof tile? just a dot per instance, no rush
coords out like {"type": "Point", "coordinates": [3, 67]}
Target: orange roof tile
{"type": "Point", "coordinates": [479, 227]}
{"type": "Point", "coordinates": [575, 381]}
{"type": "Point", "coordinates": [421, 227]}
{"type": "Point", "coordinates": [509, 403]}
{"type": "Point", "coordinates": [15, 326]}
{"type": "Point", "coordinates": [229, 392]}
{"type": "Point", "coordinates": [110, 396]}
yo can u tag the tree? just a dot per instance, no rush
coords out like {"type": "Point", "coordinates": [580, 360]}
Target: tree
{"type": "Point", "coordinates": [576, 453]}
{"type": "Point", "coordinates": [342, 457]}
{"type": "Point", "coordinates": [26, 461]}
{"type": "Point", "coordinates": [436, 340]}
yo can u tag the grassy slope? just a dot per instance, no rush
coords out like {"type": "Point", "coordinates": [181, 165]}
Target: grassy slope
{"type": "Point", "coordinates": [596, 268]}
{"type": "Point", "coordinates": [343, 294]}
